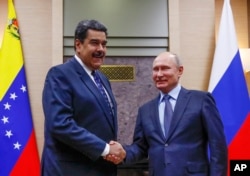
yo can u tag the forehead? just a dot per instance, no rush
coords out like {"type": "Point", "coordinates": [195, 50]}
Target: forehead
{"type": "Point", "coordinates": [93, 34]}
{"type": "Point", "coordinates": [164, 61]}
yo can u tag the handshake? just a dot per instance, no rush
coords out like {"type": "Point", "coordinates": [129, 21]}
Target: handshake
{"type": "Point", "coordinates": [116, 153]}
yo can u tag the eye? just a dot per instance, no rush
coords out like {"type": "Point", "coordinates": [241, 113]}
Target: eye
{"type": "Point", "coordinates": [165, 68]}
{"type": "Point", "coordinates": [155, 69]}
{"type": "Point", "coordinates": [104, 45]}
{"type": "Point", "coordinates": [94, 42]}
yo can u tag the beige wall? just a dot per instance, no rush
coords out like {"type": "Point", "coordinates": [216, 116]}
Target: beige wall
{"type": "Point", "coordinates": [192, 36]}
{"type": "Point", "coordinates": [241, 19]}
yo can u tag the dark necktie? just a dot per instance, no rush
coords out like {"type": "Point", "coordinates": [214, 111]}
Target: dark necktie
{"type": "Point", "coordinates": [168, 113]}
{"type": "Point", "coordinates": [101, 89]}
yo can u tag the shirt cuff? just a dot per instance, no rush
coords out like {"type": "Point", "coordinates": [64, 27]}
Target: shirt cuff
{"type": "Point", "coordinates": [106, 150]}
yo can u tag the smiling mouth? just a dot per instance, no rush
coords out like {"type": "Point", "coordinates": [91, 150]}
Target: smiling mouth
{"type": "Point", "coordinates": [98, 54]}
{"type": "Point", "coordinates": [161, 81]}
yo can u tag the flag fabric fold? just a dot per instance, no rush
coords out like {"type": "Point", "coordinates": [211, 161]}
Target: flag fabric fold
{"type": "Point", "coordinates": [18, 149]}
{"type": "Point", "coordinates": [229, 88]}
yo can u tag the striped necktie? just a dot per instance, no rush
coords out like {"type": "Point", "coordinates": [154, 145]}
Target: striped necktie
{"type": "Point", "coordinates": [101, 89]}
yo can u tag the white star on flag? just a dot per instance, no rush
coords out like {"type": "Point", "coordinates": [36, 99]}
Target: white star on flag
{"type": "Point", "coordinates": [13, 96]}
{"type": "Point", "coordinates": [17, 145]}
{"type": "Point", "coordinates": [8, 133]}
{"type": "Point", "coordinates": [23, 88]}
{"type": "Point", "coordinates": [5, 120]}
{"type": "Point", "coordinates": [7, 106]}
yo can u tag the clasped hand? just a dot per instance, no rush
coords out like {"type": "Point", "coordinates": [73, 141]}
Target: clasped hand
{"type": "Point", "coordinates": [116, 154]}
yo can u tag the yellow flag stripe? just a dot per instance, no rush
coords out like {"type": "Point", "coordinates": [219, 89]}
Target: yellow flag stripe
{"type": "Point", "coordinates": [11, 57]}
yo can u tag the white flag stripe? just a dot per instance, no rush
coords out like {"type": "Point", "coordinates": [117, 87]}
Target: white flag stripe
{"type": "Point", "coordinates": [226, 46]}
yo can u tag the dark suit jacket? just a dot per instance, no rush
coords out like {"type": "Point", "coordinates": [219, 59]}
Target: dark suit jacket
{"type": "Point", "coordinates": [77, 123]}
{"type": "Point", "coordinates": [196, 125]}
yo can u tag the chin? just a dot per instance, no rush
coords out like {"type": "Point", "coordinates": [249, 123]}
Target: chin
{"type": "Point", "coordinates": [161, 87]}
{"type": "Point", "coordinates": [97, 64]}
{"type": "Point", "coordinates": [96, 67]}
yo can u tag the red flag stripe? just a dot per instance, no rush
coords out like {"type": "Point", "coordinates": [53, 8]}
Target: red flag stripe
{"type": "Point", "coordinates": [240, 145]}
{"type": "Point", "coordinates": [28, 164]}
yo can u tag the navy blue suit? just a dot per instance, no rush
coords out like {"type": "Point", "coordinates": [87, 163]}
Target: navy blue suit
{"type": "Point", "coordinates": [77, 123]}
{"type": "Point", "coordinates": [196, 124]}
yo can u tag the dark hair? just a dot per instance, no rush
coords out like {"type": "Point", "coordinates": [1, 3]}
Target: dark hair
{"type": "Point", "coordinates": [83, 27]}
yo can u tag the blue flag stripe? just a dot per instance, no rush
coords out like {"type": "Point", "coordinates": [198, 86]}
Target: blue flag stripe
{"type": "Point", "coordinates": [232, 98]}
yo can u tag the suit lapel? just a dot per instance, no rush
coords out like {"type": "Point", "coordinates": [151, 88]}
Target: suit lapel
{"type": "Point", "coordinates": [94, 90]}
{"type": "Point", "coordinates": [154, 114]}
{"type": "Point", "coordinates": [112, 99]}
{"type": "Point", "coordinates": [180, 107]}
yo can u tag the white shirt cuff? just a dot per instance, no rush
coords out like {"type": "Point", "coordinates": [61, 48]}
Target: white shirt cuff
{"type": "Point", "coordinates": [106, 150]}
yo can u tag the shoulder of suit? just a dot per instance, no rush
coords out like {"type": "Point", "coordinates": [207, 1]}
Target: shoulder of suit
{"type": "Point", "coordinates": [64, 68]}
{"type": "Point", "coordinates": [68, 62]}
{"type": "Point", "coordinates": [149, 104]}
{"type": "Point", "coordinates": [199, 93]}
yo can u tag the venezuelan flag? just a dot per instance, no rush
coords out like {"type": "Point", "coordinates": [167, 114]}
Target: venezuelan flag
{"type": "Point", "coordinates": [228, 86]}
{"type": "Point", "coordinates": [18, 149]}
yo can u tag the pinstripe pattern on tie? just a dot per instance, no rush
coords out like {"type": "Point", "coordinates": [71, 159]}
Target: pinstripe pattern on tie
{"type": "Point", "coordinates": [101, 88]}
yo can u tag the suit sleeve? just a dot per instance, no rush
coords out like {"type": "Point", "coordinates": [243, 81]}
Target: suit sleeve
{"type": "Point", "coordinates": [216, 137]}
{"type": "Point", "coordinates": [139, 148]}
{"type": "Point", "coordinates": [59, 121]}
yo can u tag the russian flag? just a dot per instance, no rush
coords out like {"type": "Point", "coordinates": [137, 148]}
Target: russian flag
{"type": "Point", "coordinates": [18, 148]}
{"type": "Point", "coordinates": [229, 88]}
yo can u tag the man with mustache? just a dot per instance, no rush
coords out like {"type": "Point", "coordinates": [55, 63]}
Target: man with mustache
{"type": "Point", "coordinates": [80, 110]}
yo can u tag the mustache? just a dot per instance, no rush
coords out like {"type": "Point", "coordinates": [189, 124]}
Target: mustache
{"type": "Point", "coordinates": [98, 54]}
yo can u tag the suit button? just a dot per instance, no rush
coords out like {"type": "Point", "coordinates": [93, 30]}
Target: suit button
{"type": "Point", "coordinates": [166, 144]}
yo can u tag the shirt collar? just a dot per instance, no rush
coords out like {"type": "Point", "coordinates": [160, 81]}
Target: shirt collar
{"type": "Point", "coordinates": [173, 93]}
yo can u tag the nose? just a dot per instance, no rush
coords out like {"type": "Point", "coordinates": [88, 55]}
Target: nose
{"type": "Point", "coordinates": [100, 47]}
{"type": "Point", "coordinates": [159, 73]}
